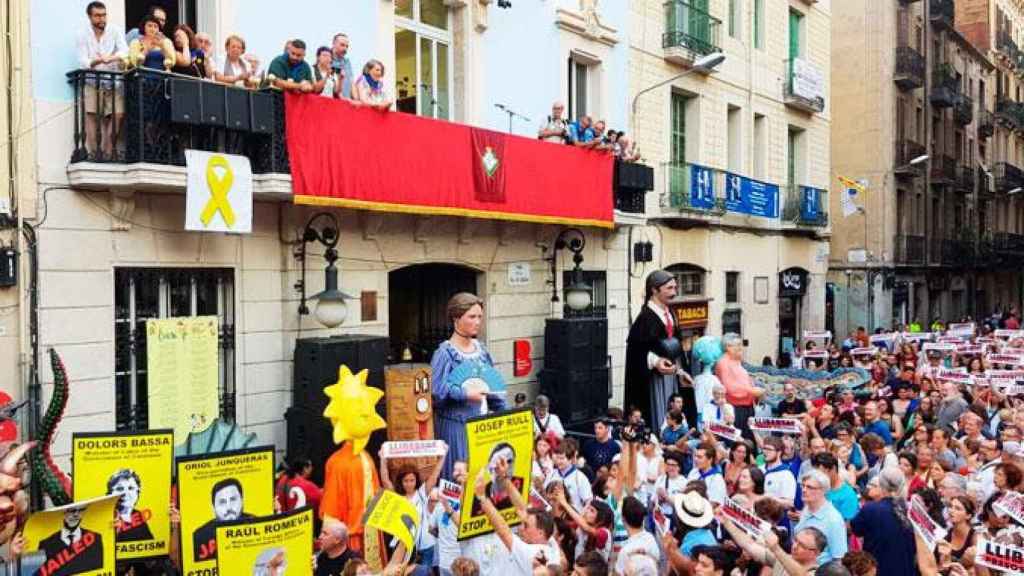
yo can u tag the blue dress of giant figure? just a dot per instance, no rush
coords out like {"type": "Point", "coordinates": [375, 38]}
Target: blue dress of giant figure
{"type": "Point", "coordinates": [451, 370]}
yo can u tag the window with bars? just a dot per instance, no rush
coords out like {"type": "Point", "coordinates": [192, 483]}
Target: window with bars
{"type": "Point", "coordinates": [598, 296]}
{"type": "Point", "coordinates": [141, 294]}
{"type": "Point", "coordinates": [689, 280]}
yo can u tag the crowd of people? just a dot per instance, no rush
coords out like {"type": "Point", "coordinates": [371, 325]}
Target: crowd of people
{"type": "Point", "coordinates": [585, 133]}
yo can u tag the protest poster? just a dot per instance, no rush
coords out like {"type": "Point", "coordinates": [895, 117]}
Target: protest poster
{"type": "Point", "coordinates": [271, 546]}
{"type": "Point", "coordinates": [451, 492]}
{"type": "Point", "coordinates": [1006, 334]}
{"type": "Point", "coordinates": [970, 350]}
{"type": "Point", "coordinates": [955, 340]}
{"type": "Point", "coordinates": [220, 487]}
{"type": "Point", "coordinates": [413, 449]}
{"type": "Point", "coordinates": [1006, 359]}
{"type": "Point", "coordinates": [507, 435]}
{"type": "Point", "coordinates": [1010, 374]}
{"type": "Point", "coordinates": [744, 518]}
{"type": "Point", "coordinates": [1011, 504]}
{"type": "Point", "coordinates": [944, 348]}
{"type": "Point", "coordinates": [89, 550]}
{"type": "Point", "coordinates": [781, 425]}
{"type": "Point", "coordinates": [915, 336]}
{"type": "Point", "coordinates": [817, 335]}
{"type": "Point", "coordinates": [725, 431]}
{"type": "Point", "coordinates": [962, 329]}
{"type": "Point", "coordinates": [953, 375]}
{"type": "Point", "coordinates": [927, 528]}
{"type": "Point", "coordinates": [394, 515]}
{"type": "Point", "coordinates": [866, 351]}
{"type": "Point", "coordinates": [182, 373]}
{"type": "Point", "coordinates": [135, 466]}
{"type": "Point", "coordinates": [1003, 557]}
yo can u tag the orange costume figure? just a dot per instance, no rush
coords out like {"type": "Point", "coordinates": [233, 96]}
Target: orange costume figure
{"type": "Point", "coordinates": [350, 477]}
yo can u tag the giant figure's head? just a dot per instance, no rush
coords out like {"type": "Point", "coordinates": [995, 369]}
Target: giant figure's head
{"type": "Point", "coordinates": [351, 409]}
{"type": "Point", "coordinates": [708, 349]}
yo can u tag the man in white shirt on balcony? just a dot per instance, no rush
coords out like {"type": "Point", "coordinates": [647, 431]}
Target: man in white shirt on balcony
{"type": "Point", "coordinates": [101, 48]}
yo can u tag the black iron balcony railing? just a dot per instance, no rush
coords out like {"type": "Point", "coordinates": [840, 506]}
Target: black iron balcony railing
{"type": "Point", "coordinates": [1007, 177]}
{"type": "Point", "coordinates": [690, 27]}
{"type": "Point", "coordinates": [910, 68]}
{"type": "Point", "coordinates": [986, 123]}
{"type": "Point", "coordinates": [959, 252]}
{"type": "Point", "coordinates": [1007, 248]}
{"type": "Point", "coordinates": [965, 179]}
{"type": "Point", "coordinates": [942, 12]}
{"type": "Point", "coordinates": [695, 193]}
{"type": "Point", "coordinates": [943, 169]}
{"type": "Point", "coordinates": [1007, 49]}
{"type": "Point", "coordinates": [806, 206]}
{"type": "Point", "coordinates": [1009, 114]}
{"type": "Point", "coordinates": [907, 151]}
{"type": "Point", "coordinates": [151, 116]}
{"type": "Point", "coordinates": [910, 250]}
{"type": "Point", "coordinates": [963, 110]}
{"type": "Point", "coordinates": [631, 184]}
{"type": "Point", "coordinates": [945, 88]}
{"type": "Point", "coordinates": [798, 92]}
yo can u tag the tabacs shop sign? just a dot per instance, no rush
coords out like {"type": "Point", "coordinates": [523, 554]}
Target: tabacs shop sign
{"type": "Point", "coordinates": [691, 314]}
{"type": "Point", "coordinates": [792, 282]}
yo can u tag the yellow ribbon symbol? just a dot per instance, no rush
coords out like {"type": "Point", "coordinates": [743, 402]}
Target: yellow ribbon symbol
{"type": "Point", "coordinates": [219, 188]}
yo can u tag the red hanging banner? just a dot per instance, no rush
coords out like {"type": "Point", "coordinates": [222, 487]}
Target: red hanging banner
{"type": "Point", "coordinates": [357, 157]}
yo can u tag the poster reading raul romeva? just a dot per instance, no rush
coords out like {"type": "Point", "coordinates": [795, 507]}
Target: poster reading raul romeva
{"type": "Point", "coordinates": [76, 539]}
{"type": "Point", "coordinates": [275, 546]}
{"type": "Point", "coordinates": [135, 467]}
{"type": "Point", "coordinates": [217, 488]}
{"type": "Point", "coordinates": [490, 438]}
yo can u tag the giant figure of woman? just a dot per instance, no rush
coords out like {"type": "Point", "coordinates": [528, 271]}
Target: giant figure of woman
{"type": "Point", "coordinates": [464, 378]}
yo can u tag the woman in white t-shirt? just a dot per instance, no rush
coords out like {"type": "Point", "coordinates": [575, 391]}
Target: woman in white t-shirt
{"type": "Point", "coordinates": [422, 496]}
{"type": "Point", "coordinates": [649, 466]}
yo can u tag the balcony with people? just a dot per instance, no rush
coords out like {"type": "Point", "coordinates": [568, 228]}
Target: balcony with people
{"type": "Point", "coordinates": [690, 32]}
{"type": "Point", "coordinates": [139, 105]}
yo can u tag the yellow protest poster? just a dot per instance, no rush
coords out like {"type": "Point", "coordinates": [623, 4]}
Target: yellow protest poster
{"type": "Point", "coordinates": [182, 370]}
{"type": "Point", "coordinates": [275, 546]}
{"type": "Point", "coordinates": [76, 539]}
{"type": "Point", "coordinates": [136, 468]}
{"type": "Point", "coordinates": [394, 515]}
{"type": "Point", "coordinates": [507, 435]}
{"type": "Point", "coordinates": [217, 488]}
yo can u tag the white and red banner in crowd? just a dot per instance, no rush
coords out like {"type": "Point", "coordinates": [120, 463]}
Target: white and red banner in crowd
{"type": "Point", "coordinates": [1008, 359]}
{"type": "Point", "coordinates": [724, 431]}
{"type": "Point", "coordinates": [928, 529]}
{"type": "Point", "coordinates": [865, 351]}
{"type": "Point", "coordinates": [1011, 504]}
{"type": "Point", "coordinates": [744, 518]}
{"type": "Point", "coordinates": [780, 425]}
{"type": "Point", "coordinates": [964, 329]}
{"type": "Point", "coordinates": [451, 492]}
{"type": "Point", "coordinates": [1003, 557]}
{"type": "Point", "coordinates": [413, 449]}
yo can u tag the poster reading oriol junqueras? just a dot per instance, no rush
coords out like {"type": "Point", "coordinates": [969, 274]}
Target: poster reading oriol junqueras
{"type": "Point", "coordinates": [507, 435]}
{"type": "Point", "coordinates": [136, 468]}
{"type": "Point", "coordinates": [274, 546]}
{"type": "Point", "coordinates": [217, 488]}
{"type": "Point", "coordinates": [77, 538]}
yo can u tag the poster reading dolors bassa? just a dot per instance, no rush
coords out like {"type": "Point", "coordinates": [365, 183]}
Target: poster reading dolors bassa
{"type": "Point", "coordinates": [217, 488]}
{"type": "Point", "coordinates": [136, 468]}
{"type": "Point", "coordinates": [507, 435]}
{"type": "Point", "coordinates": [76, 539]}
{"type": "Point", "coordinates": [275, 546]}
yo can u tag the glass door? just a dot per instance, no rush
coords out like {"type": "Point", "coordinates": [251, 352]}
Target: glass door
{"type": "Point", "coordinates": [423, 58]}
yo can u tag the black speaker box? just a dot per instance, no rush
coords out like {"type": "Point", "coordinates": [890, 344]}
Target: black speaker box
{"type": "Point", "coordinates": [214, 97]}
{"type": "Point", "coordinates": [186, 103]}
{"type": "Point", "coordinates": [262, 105]}
{"type": "Point", "coordinates": [239, 111]}
{"type": "Point", "coordinates": [317, 361]}
{"type": "Point", "coordinates": [575, 343]}
{"type": "Point", "coordinates": [634, 176]}
{"type": "Point", "coordinates": [310, 435]}
{"type": "Point", "coordinates": [576, 395]}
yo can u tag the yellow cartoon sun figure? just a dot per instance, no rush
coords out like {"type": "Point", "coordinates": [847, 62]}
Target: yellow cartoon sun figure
{"type": "Point", "coordinates": [351, 409]}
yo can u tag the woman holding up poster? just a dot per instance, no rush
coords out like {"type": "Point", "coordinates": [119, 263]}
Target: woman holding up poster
{"type": "Point", "coordinates": [465, 383]}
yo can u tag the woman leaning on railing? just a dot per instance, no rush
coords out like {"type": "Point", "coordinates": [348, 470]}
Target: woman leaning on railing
{"type": "Point", "coordinates": [152, 49]}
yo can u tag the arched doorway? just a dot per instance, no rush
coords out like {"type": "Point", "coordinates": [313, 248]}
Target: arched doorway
{"type": "Point", "coordinates": [417, 296]}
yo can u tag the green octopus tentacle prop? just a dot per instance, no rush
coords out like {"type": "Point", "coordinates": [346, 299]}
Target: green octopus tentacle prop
{"type": "Point", "coordinates": [56, 483]}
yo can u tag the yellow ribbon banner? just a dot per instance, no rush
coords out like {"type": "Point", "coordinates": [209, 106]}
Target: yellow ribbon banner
{"type": "Point", "coordinates": [219, 188]}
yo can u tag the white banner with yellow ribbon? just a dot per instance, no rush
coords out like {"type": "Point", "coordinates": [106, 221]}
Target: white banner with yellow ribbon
{"type": "Point", "coordinates": [219, 192]}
